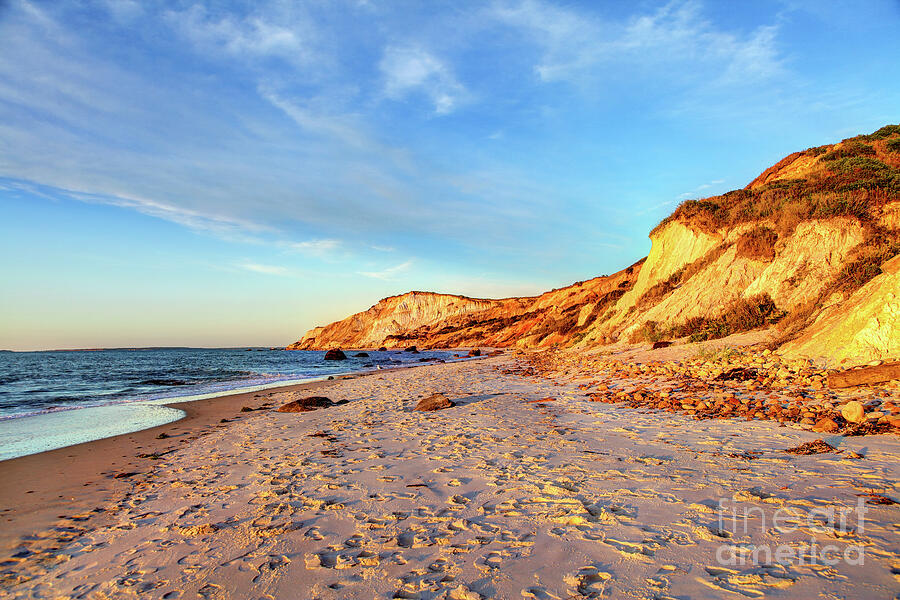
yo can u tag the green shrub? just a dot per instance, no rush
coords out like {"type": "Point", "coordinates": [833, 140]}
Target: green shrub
{"type": "Point", "coordinates": [893, 145]}
{"type": "Point", "coordinates": [884, 132]}
{"type": "Point", "coordinates": [739, 316]}
{"type": "Point", "coordinates": [849, 150]}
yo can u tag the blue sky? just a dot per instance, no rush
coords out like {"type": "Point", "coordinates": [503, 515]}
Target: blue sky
{"type": "Point", "coordinates": [213, 173]}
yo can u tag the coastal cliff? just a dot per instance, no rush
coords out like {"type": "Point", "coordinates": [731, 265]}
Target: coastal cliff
{"type": "Point", "coordinates": [805, 248]}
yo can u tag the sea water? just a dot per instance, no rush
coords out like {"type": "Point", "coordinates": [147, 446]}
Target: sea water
{"type": "Point", "coordinates": [55, 399]}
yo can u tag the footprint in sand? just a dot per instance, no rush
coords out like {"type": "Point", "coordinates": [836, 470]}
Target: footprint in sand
{"type": "Point", "coordinates": [538, 593]}
{"type": "Point", "coordinates": [587, 581]}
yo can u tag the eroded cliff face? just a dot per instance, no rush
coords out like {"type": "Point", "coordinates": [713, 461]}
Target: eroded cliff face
{"type": "Point", "coordinates": [785, 249]}
{"type": "Point", "coordinates": [428, 320]}
{"type": "Point", "coordinates": [864, 327]}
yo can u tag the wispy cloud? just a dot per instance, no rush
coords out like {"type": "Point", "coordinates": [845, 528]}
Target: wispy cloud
{"type": "Point", "coordinates": [578, 46]}
{"type": "Point", "coordinates": [389, 273]}
{"type": "Point", "coordinates": [411, 69]}
{"type": "Point", "coordinates": [700, 189]}
{"type": "Point", "coordinates": [264, 269]}
{"type": "Point", "coordinates": [264, 35]}
{"type": "Point", "coordinates": [316, 247]}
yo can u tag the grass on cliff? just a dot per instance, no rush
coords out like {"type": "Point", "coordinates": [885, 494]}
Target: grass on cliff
{"type": "Point", "coordinates": [739, 316]}
{"type": "Point", "coordinates": [864, 266]}
{"type": "Point", "coordinates": [848, 181]}
{"type": "Point", "coordinates": [757, 244]}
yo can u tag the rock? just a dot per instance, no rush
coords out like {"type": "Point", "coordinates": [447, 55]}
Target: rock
{"type": "Point", "coordinates": [854, 412]}
{"type": "Point", "coordinates": [826, 425]}
{"type": "Point", "coordinates": [814, 447]}
{"type": "Point", "coordinates": [335, 354]}
{"type": "Point", "coordinates": [382, 349]}
{"type": "Point", "coordinates": [658, 345]}
{"type": "Point", "coordinates": [738, 374]}
{"type": "Point", "coordinates": [246, 409]}
{"type": "Point", "coordinates": [361, 355]}
{"type": "Point", "coordinates": [412, 349]}
{"type": "Point", "coordinates": [474, 352]}
{"type": "Point", "coordinates": [306, 404]}
{"type": "Point", "coordinates": [434, 402]}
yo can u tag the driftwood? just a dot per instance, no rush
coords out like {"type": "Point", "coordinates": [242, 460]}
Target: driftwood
{"type": "Point", "coordinates": [878, 374]}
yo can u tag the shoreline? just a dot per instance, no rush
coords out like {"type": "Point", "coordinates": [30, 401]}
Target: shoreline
{"type": "Point", "coordinates": [44, 484]}
{"type": "Point", "coordinates": [172, 402]}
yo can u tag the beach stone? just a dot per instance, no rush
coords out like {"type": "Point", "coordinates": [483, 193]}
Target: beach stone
{"type": "Point", "coordinates": [434, 402]}
{"type": "Point", "coordinates": [306, 404]}
{"type": "Point", "coordinates": [361, 355]}
{"type": "Point", "coordinates": [335, 354]}
{"type": "Point", "coordinates": [814, 447]}
{"type": "Point", "coordinates": [474, 352]}
{"type": "Point", "coordinates": [826, 425]}
{"type": "Point", "coordinates": [382, 349]}
{"type": "Point", "coordinates": [854, 412]}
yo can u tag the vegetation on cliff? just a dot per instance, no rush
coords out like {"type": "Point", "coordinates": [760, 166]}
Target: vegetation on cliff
{"type": "Point", "coordinates": [805, 234]}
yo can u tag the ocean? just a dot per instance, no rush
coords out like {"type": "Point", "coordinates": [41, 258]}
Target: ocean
{"type": "Point", "coordinates": [55, 399]}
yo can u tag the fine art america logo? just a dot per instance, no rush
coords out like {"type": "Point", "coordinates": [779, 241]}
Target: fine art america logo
{"type": "Point", "coordinates": [801, 526]}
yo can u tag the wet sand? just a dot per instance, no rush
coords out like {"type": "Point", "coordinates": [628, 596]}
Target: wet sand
{"type": "Point", "coordinates": [39, 487]}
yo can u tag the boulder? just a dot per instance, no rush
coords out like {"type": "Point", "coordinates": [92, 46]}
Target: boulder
{"type": "Point", "coordinates": [658, 345]}
{"type": "Point", "coordinates": [434, 402]}
{"type": "Point", "coordinates": [826, 425]}
{"type": "Point", "coordinates": [335, 354]}
{"type": "Point", "coordinates": [474, 352]}
{"type": "Point", "coordinates": [361, 355]}
{"type": "Point", "coordinates": [854, 412]}
{"type": "Point", "coordinates": [412, 349]}
{"type": "Point", "coordinates": [382, 349]}
{"type": "Point", "coordinates": [306, 404]}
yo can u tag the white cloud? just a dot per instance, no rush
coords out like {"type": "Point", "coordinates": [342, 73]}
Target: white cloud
{"type": "Point", "coordinates": [700, 188]}
{"type": "Point", "coordinates": [389, 273]}
{"type": "Point", "coordinates": [409, 69]}
{"type": "Point", "coordinates": [317, 247]}
{"type": "Point", "coordinates": [263, 269]}
{"type": "Point", "coordinates": [250, 36]}
{"type": "Point", "coordinates": [576, 45]}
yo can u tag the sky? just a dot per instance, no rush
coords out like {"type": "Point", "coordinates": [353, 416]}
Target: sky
{"type": "Point", "coordinates": [234, 173]}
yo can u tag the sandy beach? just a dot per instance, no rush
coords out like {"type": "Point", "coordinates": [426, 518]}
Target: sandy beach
{"type": "Point", "coordinates": [525, 489]}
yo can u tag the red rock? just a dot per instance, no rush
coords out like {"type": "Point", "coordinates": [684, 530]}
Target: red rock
{"type": "Point", "coordinates": [826, 425]}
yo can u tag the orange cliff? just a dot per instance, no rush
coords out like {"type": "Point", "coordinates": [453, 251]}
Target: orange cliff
{"type": "Point", "coordinates": [805, 247]}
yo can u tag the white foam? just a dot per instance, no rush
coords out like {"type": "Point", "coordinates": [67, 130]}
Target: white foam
{"type": "Point", "coordinates": [243, 390]}
{"type": "Point", "coordinates": [39, 433]}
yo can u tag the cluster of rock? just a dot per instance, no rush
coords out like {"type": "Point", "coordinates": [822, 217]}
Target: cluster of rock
{"type": "Point", "coordinates": [749, 385]}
